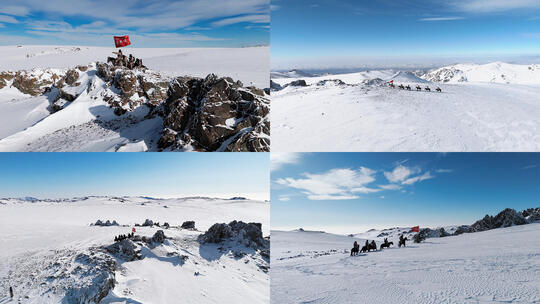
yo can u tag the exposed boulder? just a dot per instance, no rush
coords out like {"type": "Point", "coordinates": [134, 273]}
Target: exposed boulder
{"type": "Point", "coordinates": [94, 275]}
{"type": "Point", "coordinates": [330, 81]}
{"type": "Point", "coordinates": [297, 83]}
{"type": "Point", "coordinates": [274, 86]}
{"type": "Point", "coordinates": [106, 223]}
{"type": "Point", "coordinates": [125, 250]}
{"type": "Point", "coordinates": [250, 234]}
{"type": "Point", "coordinates": [159, 237]}
{"type": "Point", "coordinates": [188, 225]}
{"type": "Point", "coordinates": [104, 71]}
{"type": "Point", "coordinates": [148, 222]}
{"type": "Point", "coordinates": [71, 77]}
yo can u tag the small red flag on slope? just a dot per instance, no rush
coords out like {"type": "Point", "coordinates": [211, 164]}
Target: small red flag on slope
{"type": "Point", "coordinates": [415, 229]}
{"type": "Point", "coordinates": [391, 81]}
{"type": "Point", "coordinates": [120, 41]}
{"type": "Point", "coordinates": [133, 230]}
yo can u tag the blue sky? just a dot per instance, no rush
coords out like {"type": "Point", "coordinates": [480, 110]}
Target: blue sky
{"type": "Point", "coordinates": [332, 33]}
{"type": "Point", "coordinates": [353, 192]}
{"type": "Point", "coordinates": [60, 175]}
{"type": "Point", "coordinates": [150, 23]}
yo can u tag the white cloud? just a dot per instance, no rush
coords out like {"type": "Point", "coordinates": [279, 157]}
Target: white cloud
{"type": "Point", "coordinates": [8, 19]}
{"type": "Point", "coordinates": [486, 6]}
{"type": "Point", "coordinates": [278, 160]}
{"type": "Point", "coordinates": [405, 176]}
{"type": "Point", "coordinates": [444, 170]}
{"type": "Point", "coordinates": [399, 174]}
{"type": "Point", "coordinates": [284, 198]}
{"type": "Point", "coordinates": [336, 184]}
{"type": "Point", "coordinates": [440, 18]}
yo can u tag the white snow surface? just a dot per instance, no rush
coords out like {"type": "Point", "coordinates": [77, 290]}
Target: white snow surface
{"type": "Point", "coordinates": [496, 266]}
{"type": "Point", "coordinates": [466, 116]}
{"type": "Point", "coordinates": [250, 65]}
{"type": "Point", "coordinates": [38, 234]}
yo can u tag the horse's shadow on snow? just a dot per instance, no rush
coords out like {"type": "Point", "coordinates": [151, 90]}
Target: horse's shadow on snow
{"type": "Point", "coordinates": [214, 251]}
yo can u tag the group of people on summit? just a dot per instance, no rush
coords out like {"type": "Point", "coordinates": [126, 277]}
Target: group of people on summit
{"type": "Point", "coordinates": [122, 60]}
{"type": "Point", "coordinates": [373, 246]}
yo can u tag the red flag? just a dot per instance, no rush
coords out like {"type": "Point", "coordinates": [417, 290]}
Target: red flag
{"type": "Point", "coordinates": [391, 81]}
{"type": "Point", "coordinates": [133, 230]}
{"type": "Point", "coordinates": [120, 41]}
{"type": "Point", "coordinates": [415, 229]}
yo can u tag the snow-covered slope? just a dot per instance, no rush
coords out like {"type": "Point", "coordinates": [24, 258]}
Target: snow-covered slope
{"type": "Point", "coordinates": [496, 266]}
{"type": "Point", "coordinates": [366, 115]}
{"type": "Point", "coordinates": [50, 252]}
{"type": "Point", "coordinates": [495, 72]}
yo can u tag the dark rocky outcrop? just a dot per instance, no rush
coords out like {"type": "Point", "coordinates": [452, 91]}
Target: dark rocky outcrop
{"type": "Point", "coordinates": [297, 83]}
{"type": "Point", "coordinates": [506, 218]}
{"type": "Point", "coordinates": [188, 225]}
{"type": "Point", "coordinates": [98, 271]}
{"type": "Point", "coordinates": [215, 114]}
{"type": "Point", "coordinates": [274, 86]}
{"type": "Point", "coordinates": [159, 237]}
{"type": "Point", "coordinates": [106, 223]}
{"type": "Point", "coordinates": [126, 250]}
{"type": "Point", "coordinates": [71, 77]}
{"type": "Point", "coordinates": [148, 222]}
{"type": "Point", "coordinates": [332, 81]}
{"type": "Point", "coordinates": [250, 234]}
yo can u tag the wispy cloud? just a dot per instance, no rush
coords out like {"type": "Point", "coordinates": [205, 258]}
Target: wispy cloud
{"type": "Point", "coordinates": [529, 167]}
{"type": "Point", "coordinates": [485, 6]}
{"type": "Point", "coordinates": [440, 18]}
{"type": "Point", "coordinates": [8, 19]}
{"type": "Point", "coordinates": [263, 18]}
{"type": "Point", "coordinates": [284, 198]}
{"type": "Point", "coordinates": [278, 160]}
{"type": "Point", "coordinates": [444, 170]}
{"type": "Point", "coordinates": [336, 184]}
{"type": "Point", "coordinates": [134, 17]}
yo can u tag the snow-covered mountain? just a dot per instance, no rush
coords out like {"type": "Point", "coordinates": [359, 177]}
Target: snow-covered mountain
{"type": "Point", "coordinates": [59, 251]}
{"type": "Point", "coordinates": [290, 74]}
{"type": "Point", "coordinates": [495, 72]}
{"type": "Point", "coordinates": [106, 107]}
{"type": "Point", "coordinates": [360, 112]}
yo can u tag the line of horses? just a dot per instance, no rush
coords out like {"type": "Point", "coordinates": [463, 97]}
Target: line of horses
{"type": "Point", "coordinates": [373, 246]}
{"type": "Point", "coordinates": [418, 87]}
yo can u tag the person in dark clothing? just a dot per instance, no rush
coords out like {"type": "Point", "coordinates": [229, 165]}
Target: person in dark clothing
{"type": "Point", "coordinates": [11, 292]}
{"type": "Point", "coordinates": [367, 244]}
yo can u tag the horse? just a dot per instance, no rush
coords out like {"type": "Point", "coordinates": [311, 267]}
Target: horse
{"type": "Point", "coordinates": [418, 88]}
{"type": "Point", "coordinates": [392, 85]}
{"type": "Point", "coordinates": [402, 242]}
{"type": "Point", "coordinates": [387, 245]}
{"type": "Point", "coordinates": [438, 89]}
{"type": "Point", "coordinates": [372, 246]}
{"type": "Point", "coordinates": [111, 60]}
{"type": "Point", "coordinates": [401, 86]}
{"type": "Point", "coordinates": [354, 250]}
{"type": "Point", "coordinates": [364, 249]}
{"type": "Point", "coordinates": [408, 87]}
{"type": "Point", "coordinates": [427, 89]}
